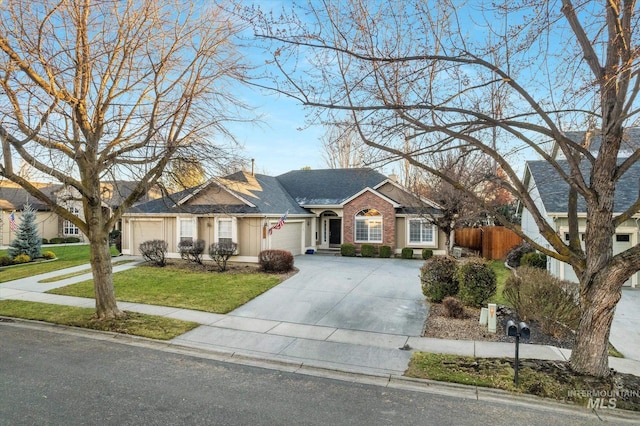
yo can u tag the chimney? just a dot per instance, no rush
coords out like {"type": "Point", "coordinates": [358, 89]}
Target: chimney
{"type": "Point", "coordinates": [394, 177]}
{"type": "Point", "coordinates": [253, 164]}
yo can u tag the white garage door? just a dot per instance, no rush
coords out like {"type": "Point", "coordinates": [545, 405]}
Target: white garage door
{"type": "Point", "coordinates": [288, 238]}
{"type": "Point", "coordinates": [144, 230]}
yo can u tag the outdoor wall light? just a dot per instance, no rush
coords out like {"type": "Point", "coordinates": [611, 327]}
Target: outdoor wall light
{"type": "Point", "coordinates": [517, 331]}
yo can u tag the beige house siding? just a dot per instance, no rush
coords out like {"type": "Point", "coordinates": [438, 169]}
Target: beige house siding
{"type": "Point", "coordinates": [250, 236]}
{"type": "Point", "coordinates": [213, 194]}
{"type": "Point", "coordinates": [205, 231]}
{"type": "Point", "coordinates": [46, 222]}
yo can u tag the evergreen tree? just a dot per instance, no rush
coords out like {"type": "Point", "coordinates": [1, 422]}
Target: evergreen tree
{"type": "Point", "coordinates": [27, 240]}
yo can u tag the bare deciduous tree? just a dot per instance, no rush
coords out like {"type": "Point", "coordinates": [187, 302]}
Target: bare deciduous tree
{"type": "Point", "coordinates": [457, 208]}
{"type": "Point", "coordinates": [424, 68]}
{"type": "Point", "coordinates": [94, 90]}
{"type": "Point", "coordinates": [343, 148]}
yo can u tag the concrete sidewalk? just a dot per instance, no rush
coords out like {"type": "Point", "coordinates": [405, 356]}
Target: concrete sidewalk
{"type": "Point", "coordinates": [314, 345]}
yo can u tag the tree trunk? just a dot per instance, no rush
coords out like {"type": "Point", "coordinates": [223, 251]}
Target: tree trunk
{"type": "Point", "coordinates": [598, 304]}
{"type": "Point", "coordinates": [106, 306]}
{"type": "Point", "coordinates": [448, 244]}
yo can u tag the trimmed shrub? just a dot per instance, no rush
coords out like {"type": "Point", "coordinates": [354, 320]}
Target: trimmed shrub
{"type": "Point", "coordinates": [45, 241]}
{"type": "Point", "coordinates": [48, 254]}
{"type": "Point", "coordinates": [535, 260]}
{"type": "Point", "coordinates": [384, 252]}
{"type": "Point", "coordinates": [70, 240]}
{"type": "Point", "coordinates": [277, 261]}
{"type": "Point", "coordinates": [476, 281]}
{"type": "Point", "coordinates": [27, 239]}
{"type": "Point", "coordinates": [515, 254]}
{"type": "Point", "coordinates": [5, 261]}
{"type": "Point", "coordinates": [453, 307]}
{"type": "Point", "coordinates": [427, 254]}
{"type": "Point", "coordinates": [155, 251]}
{"type": "Point", "coordinates": [191, 251]}
{"type": "Point", "coordinates": [348, 250]}
{"type": "Point", "coordinates": [21, 258]}
{"type": "Point", "coordinates": [221, 252]}
{"type": "Point", "coordinates": [407, 253]}
{"type": "Point", "coordinates": [436, 276]}
{"type": "Point", "coordinates": [367, 250]}
{"type": "Point", "coordinates": [56, 240]}
{"type": "Point", "coordinates": [539, 296]}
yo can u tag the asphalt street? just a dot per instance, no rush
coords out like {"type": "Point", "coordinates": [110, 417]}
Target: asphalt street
{"type": "Point", "coordinates": [51, 376]}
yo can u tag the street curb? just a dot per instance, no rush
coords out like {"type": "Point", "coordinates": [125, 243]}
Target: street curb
{"type": "Point", "coordinates": [343, 374]}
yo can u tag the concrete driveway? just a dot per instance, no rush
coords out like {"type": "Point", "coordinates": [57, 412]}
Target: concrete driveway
{"type": "Point", "coordinates": [625, 334]}
{"type": "Point", "coordinates": [376, 295]}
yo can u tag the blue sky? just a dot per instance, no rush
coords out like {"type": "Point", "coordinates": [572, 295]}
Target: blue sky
{"type": "Point", "coordinates": [281, 141]}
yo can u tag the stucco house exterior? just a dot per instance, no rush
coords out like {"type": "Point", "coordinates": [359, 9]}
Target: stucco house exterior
{"type": "Point", "coordinates": [323, 208]}
{"type": "Point", "coordinates": [13, 200]}
{"type": "Point", "coordinates": [550, 192]}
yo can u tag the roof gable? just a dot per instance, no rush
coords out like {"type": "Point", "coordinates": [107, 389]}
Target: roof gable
{"type": "Point", "coordinates": [376, 193]}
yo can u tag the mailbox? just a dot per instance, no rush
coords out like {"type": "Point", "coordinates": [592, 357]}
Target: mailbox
{"type": "Point", "coordinates": [517, 331]}
{"type": "Point", "coordinates": [525, 333]}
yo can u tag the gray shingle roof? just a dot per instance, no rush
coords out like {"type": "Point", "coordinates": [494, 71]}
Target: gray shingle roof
{"type": "Point", "coordinates": [593, 140]}
{"type": "Point", "coordinates": [268, 197]}
{"type": "Point", "coordinates": [329, 186]}
{"type": "Point", "coordinates": [554, 190]}
{"type": "Point", "coordinates": [275, 195]}
{"type": "Point", "coordinates": [15, 198]}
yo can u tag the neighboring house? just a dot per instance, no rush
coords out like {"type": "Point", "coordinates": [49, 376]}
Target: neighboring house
{"type": "Point", "coordinates": [324, 208]}
{"type": "Point", "coordinates": [13, 199]}
{"type": "Point", "coordinates": [550, 192]}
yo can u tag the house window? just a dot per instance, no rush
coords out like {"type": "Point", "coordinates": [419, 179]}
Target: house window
{"type": "Point", "coordinates": [68, 228]}
{"type": "Point", "coordinates": [421, 231]}
{"type": "Point", "coordinates": [185, 231]}
{"type": "Point", "coordinates": [225, 231]}
{"type": "Point", "coordinates": [369, 226]}
{"type": "Point", "coordinates": [623, 238]}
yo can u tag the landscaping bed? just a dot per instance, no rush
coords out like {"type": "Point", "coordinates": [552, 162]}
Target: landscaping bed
{"type": "Point", "coordinates": [439, 326]}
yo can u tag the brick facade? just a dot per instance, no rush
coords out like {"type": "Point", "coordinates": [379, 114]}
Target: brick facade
{"type": "Point", "coordinates": [369, 200]}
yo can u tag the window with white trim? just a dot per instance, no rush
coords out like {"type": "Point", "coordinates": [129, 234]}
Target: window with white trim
{"type": "Point", "coordinates": [68, 227]}
{"type": "Point", "coordinates": [185, 229]}
{"type": "Point", "coordinates": [421, 232]}
{"type": "Point", "coordinates": [226, 230]}
{"type": "Point", "coordinates": [369, 226]}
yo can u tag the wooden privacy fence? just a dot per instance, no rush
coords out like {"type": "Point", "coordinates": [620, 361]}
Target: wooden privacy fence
{"type": "Point", "coordinates": [493, 242]}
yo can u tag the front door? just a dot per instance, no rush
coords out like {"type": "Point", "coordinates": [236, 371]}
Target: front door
{"type": "Point", "coordinates": [335, 232]}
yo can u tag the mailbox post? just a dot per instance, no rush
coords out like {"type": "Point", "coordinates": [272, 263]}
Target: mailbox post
{"type": "Point", "coordinates": [517, 331]}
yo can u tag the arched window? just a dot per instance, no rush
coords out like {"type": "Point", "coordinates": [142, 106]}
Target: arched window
{"type": "Point", "coordinates": [369, 226]}
{"type": "Point", "coordinates": [68, 228]}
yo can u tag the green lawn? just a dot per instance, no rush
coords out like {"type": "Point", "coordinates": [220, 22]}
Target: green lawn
{"type": "Point", "coordinates": [151, 326]}
{"type": "Point", "coordinates": [180, 288]}
{"type": "Point", "coordinates": [502, 273]}
{"type": "Point", "coordinates": [66, 257]}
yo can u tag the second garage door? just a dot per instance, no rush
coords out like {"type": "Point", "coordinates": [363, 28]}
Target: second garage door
{"type": "Point", "coordinates": [288, 238]}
